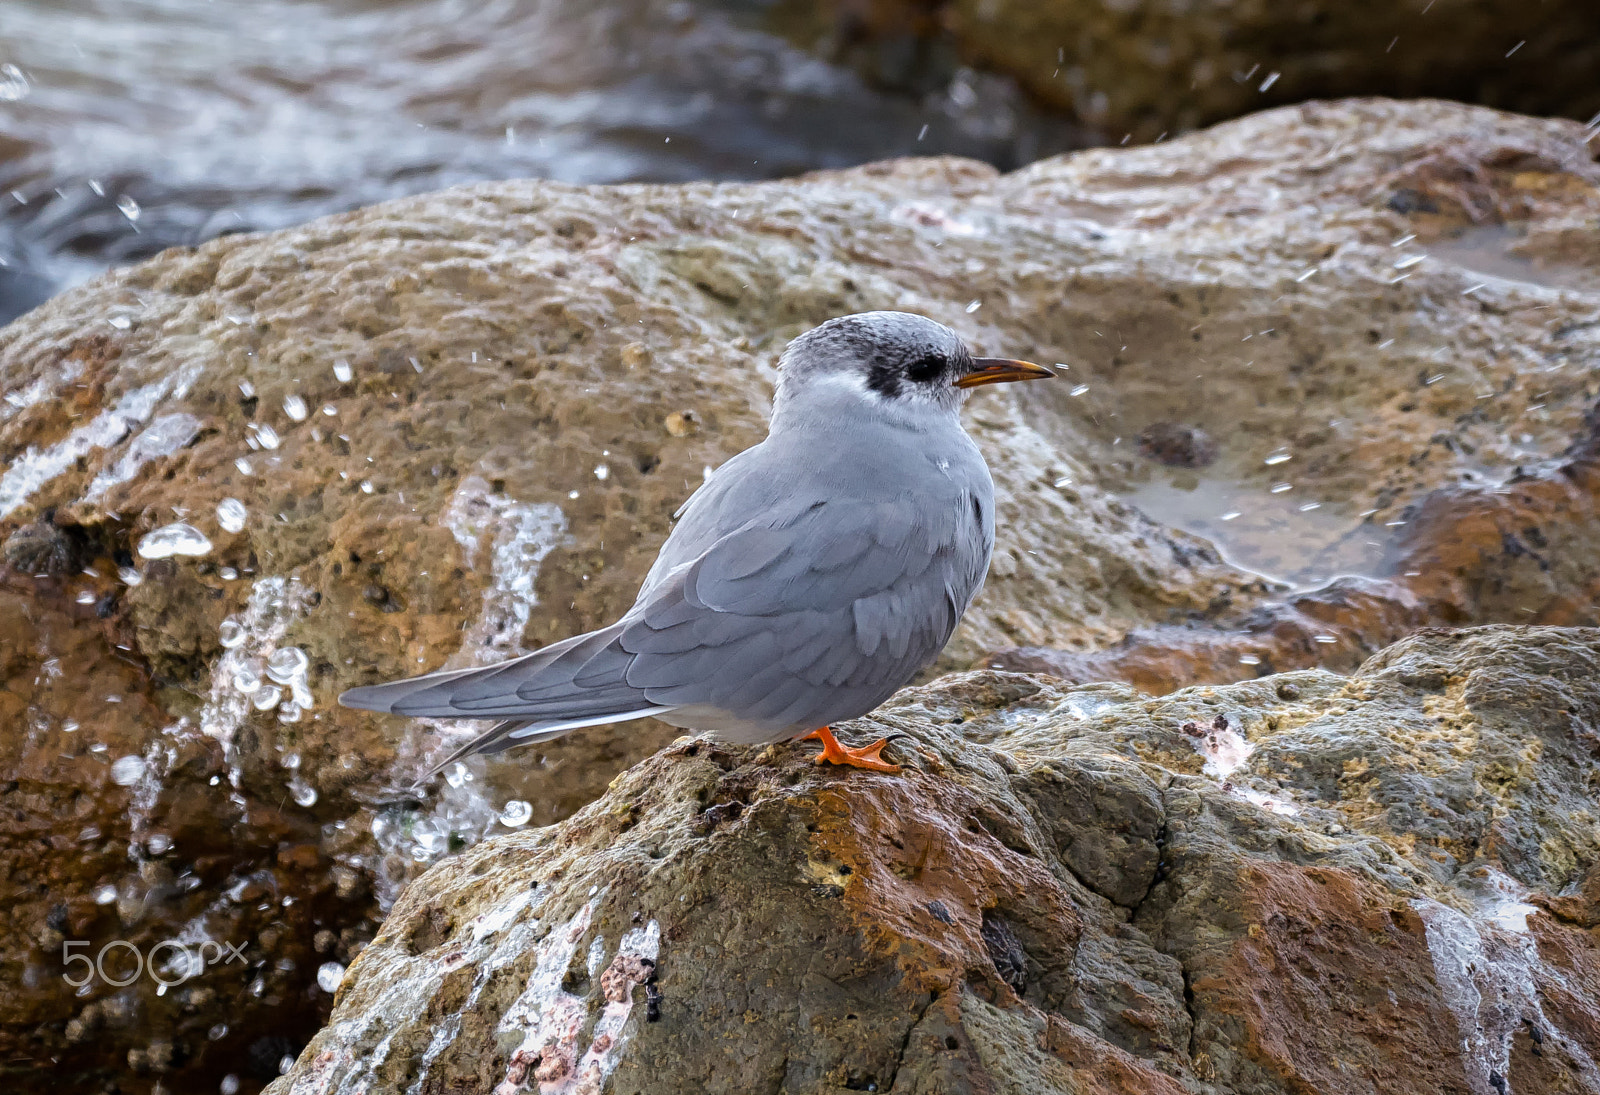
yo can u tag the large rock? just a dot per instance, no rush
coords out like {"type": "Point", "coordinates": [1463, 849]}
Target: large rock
{"type": "Point", "coordinates": [1148, 68]}
{"type": "Point", "coordinates": [1381, 883]}
{"type": "Point", "coordinates": [538, 374]}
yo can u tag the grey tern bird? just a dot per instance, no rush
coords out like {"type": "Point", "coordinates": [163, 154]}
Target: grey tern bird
{"type": "Point", "coordinates": [808, 579]}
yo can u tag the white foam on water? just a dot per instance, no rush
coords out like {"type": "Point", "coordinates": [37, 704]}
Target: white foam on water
{"type": "Point", "coordinates": [165, 435]}
{"type": "Point", "coordinates": [36, 467]}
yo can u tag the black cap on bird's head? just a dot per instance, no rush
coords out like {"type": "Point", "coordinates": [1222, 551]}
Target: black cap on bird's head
{"type": "Point", "coordinates": [896, 356]}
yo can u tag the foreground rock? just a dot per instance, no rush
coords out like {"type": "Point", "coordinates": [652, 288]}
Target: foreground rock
{"type": "Point", "coordinates": [1149, 67]}
{"type": "Point", "coordinates": [525, 379]}
{"type": "Point", "coordinates": [1301, 883]}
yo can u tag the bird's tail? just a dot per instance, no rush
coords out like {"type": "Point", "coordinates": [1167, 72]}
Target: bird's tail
{"type": "Point", "coordinates": [571, 684]}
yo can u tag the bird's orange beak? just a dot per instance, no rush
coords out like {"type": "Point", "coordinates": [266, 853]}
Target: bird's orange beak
{"type": "Point", "coordinates": [1001, 370]}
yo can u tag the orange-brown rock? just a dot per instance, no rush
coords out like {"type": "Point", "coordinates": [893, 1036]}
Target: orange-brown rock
{"type": "Point", "coordinates": [735, 919]}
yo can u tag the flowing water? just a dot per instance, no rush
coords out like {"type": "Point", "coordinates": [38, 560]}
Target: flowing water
{"type": "Point", "coordinates": [127, 126]}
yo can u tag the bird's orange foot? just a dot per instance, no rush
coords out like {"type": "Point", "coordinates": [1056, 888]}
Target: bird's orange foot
{"type": "Point", "coordinates": [865, 757]}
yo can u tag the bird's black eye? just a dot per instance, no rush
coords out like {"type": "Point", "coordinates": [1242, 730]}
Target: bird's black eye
{"type": "Point", "coordinates": [928, 367]}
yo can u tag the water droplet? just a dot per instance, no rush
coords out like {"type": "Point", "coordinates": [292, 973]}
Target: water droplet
{"type": "Point", "coordinates": [169, 540]}
{"type": "Point", "coordinates": [342, 371]}
{"type": "Point", "coordinates": [246, 679]}
{"type": "Point", "coordinates": [329, 409]}
{"type": "Point", "coordinates": [1079, 390]}
{"type": "Point", "coordinates": [295, 407]}
{"type": "Point", "coordinates": [247, 389]}
{"type": "Point", "coordinates": [285, 1063]}
{"type": "Point", "coordinates": [231, 633]}
{"type": "Point", "coordinates": [14, 85]}
{"type": "Point", "coordinates": [1277, 458]}
{"type": "Point", "coordinates": [1249, 659]}
{"type": "Point", "coordinates": [244, 466]}
{"type": "Point", "coordinates": [1279, 488]}
{"type": "Point", "coordinates": [1327, 638]}
{"type": "Point", "coordinates": [231, 515]}
{"type": "Point", "coordinates": [974, 306]}
{"type": "Point", "coordinates": [1229, 516]}
{"type": "Point", "coordinates": [304, 794]}
{"type": "Point", "coordinates": [158, 844]}
{"type": "Point", "coordinates": [267, 436]}
{"type": "Point", "coordinates": [128, 207]}
{"type": "Point", "coordinates": [121, 323]}
{"type": "Point", "coordinates": [602, 472]}
{"type": "Point", "coordinates": [287, 663]}
{"type": "Point", "coordinates": [366, 486]}
{"type": "Point", "coordinates": [289, 712]}
{"type": "Point", "coordinates": [129, 576]}
{"type": "Point", "coordinates": [86, 597]}
{"type": "Point", "coordinates": [329, 974]}
{"type": "Point", "coordinates": [290, 761]}
{"type": "Point", "coordinates": [230, 1082]}
{"type": "Point", "coordinates": [70, 726]}
{"type": "Point", "coordinates": [227, 574]}
{"type": "Point", "coordinates": [457, 775]}
{"type": "Point", "coordinates": [105, 895]}
{"type": "Point", "coordinates": [572, 494]}
{"type": "Point", "coordinates": [266, 697]}
{"type": "Point", "coordinates": [126, 771]}
{"type": "Point", "coordinates": [1309, 506]}
{"type": "Point", "coordinates": [516, 814]}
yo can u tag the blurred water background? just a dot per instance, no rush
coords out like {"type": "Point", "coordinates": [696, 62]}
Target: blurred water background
{"type": "Point", "coordinates": [128, 126]}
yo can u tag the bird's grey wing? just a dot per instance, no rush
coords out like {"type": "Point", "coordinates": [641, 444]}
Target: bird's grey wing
{"type": "Point", "coordinates": [826, 605]}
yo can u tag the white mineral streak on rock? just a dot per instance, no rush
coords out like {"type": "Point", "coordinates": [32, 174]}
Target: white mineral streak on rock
{"type": "Point", "coordinates": [496, 919]}
{"type": "Point", "coordinates": [633, 965]}
{"type": "Point", "coordinates": [551, 1020]}
{"type": "Point", "coordinates": [1486, 965]}
{"type": "Point", "coordinates": [165, 435]}
{"type": "Point", "coordinates": [925, 214]}
{"type": "Point", "coordinates": [273, 605]}
{"type": "Point", "coordinates": [548, 1018]}
{"type": "Point", "coordinates": [1226, 750]}
{"type": "Point", "coordinates": [409, 984]}
{"type": "Point", "coordinates": [42, 388]}
{"type": "Point", "coordinates": [520, 535]}
{"type": "Point", "coordinates": [36, 467]}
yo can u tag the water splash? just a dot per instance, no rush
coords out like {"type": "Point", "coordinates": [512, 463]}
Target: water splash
{"type": "Point", "coordinates": [274, 604]}
{"type": "Point", "coordinates": [520, 535]}
{"type": "Point", "coordinates": [174, 539]}
{"type": "Point", "coordinates": [232, 515]}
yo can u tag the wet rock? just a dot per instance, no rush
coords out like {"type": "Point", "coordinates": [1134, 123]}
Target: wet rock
{"type": "Point", "coordinates": [1517, 550]}
{"type": "Point", "coordinates": [525, 380]}
{"type": "Point", "coordinates": [1177, 445]}
{"type": "Point", "coordinates": [1147, 68]}
{"type": "Point", "coordinates": [1379, 885]}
